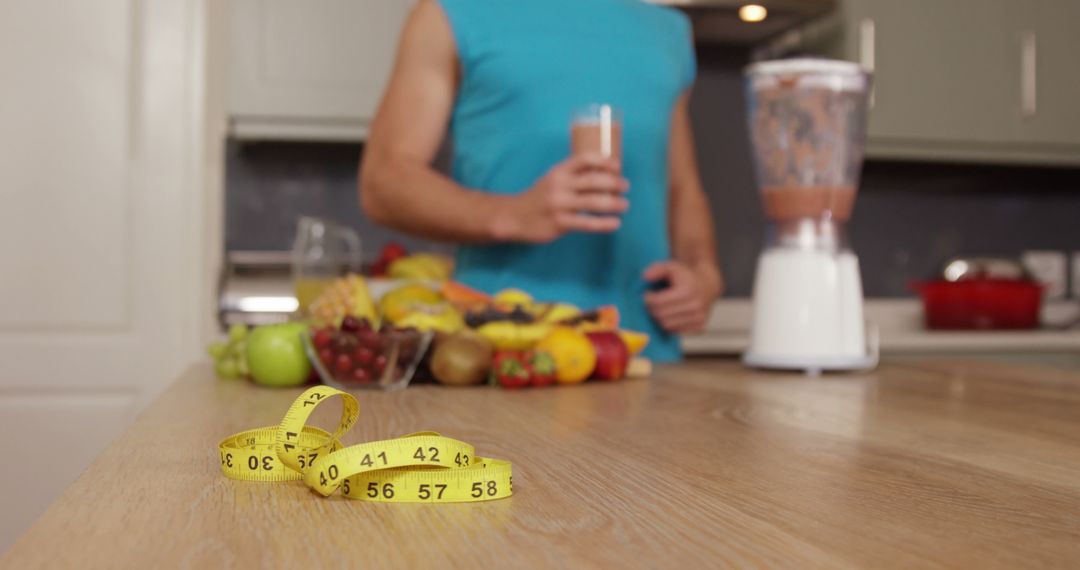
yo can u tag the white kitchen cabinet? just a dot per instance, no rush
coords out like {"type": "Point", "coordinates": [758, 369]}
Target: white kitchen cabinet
{"type": "Point", "coordinates": [968, 80]}
{"type": "Point", "coordinates": [310, 70]}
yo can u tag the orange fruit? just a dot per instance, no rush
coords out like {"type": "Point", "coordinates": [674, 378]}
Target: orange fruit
{"type": "Point", "coordinates": [575, 357]}
{"type": "Point", "coordinates": [635, 341]}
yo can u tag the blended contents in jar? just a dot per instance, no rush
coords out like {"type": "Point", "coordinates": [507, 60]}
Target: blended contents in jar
{"type": "Point", "coordinates": [784, 203]}
{"type": "Point", "coordinates": [592, 137]}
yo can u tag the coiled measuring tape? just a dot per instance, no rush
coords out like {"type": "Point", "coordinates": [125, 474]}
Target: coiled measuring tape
{"type": "Point", "coordinates": [422, 467]}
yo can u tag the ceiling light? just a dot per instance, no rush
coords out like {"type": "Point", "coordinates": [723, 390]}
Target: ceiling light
{"type": "Point", "coordinates": [753, 13]}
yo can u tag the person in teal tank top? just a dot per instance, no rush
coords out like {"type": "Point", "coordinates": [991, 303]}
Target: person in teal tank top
{"type": "Point", "coordinates": [503, 79]}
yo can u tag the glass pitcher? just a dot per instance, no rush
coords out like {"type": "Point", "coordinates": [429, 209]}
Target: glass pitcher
{"type": "Point", "coordinates": [807, 121]}
{"type": "Point", "coordinates": [322, 251]}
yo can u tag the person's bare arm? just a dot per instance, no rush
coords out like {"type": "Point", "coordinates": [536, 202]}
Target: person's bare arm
{"type": "Point", "coordinates": [693, 275]}
{"type": "Point", "coordinates": [400, 189]}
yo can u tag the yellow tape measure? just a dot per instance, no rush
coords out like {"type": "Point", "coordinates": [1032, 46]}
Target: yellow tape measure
{"type": "Point", "coordinates": [422, 467]}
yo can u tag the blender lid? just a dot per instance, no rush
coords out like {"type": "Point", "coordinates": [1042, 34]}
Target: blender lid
{"type": "Point", "coordinates": [833, 73]}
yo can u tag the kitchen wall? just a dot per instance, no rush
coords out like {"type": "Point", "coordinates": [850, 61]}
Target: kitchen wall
{"type": "Point", "coordinates": [909, 218]}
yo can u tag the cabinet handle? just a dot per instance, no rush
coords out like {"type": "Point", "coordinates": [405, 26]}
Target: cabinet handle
{"type": "Point", "coordinates": [868, 50]}
{"type": "Point", "coordinates": [1029, 79]}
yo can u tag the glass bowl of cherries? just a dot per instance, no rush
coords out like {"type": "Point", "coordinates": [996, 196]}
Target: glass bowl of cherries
{"type": "Point", "coordinates": [357, 354]}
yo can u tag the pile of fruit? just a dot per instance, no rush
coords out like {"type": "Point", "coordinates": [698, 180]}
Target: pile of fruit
{"type": "Point", "coordinates": [358, 352]}
{"type": "Point", "coordinates": [512, 340]}
{"type": "Point", "coordinates": [508, 339]}
{"type": "Point", "coordinates": [564, 355]}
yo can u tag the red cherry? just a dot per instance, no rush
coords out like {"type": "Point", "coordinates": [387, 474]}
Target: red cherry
{"type": "Point", "coordinates": [363, 356]}
{"type": "Point", "coordinates": [321, 338]}
{"type": "Point", "coordinates": [350, 324]}
{"type": "Point", "coordinates": [326, 356]}
{"type": "Point", "coordinates": [368, 337]}
{"type": "Point", "coordinates": [361, 375]}
{"type": "Point", "coordinates": [379, 364]}
{"type": "Point", "coordinates": [343, 363]}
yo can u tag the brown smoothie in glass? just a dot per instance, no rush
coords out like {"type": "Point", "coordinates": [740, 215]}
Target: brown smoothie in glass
{"type": "Point", "coordinates": [592, 137]}
{"type": "Point", "coordinates": [786, 203]}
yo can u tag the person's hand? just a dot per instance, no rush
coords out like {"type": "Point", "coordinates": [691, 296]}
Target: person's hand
{"type": "Point", "coordinates": [683, 306]}
{"type": "Point", "coordinates": [581, 194]}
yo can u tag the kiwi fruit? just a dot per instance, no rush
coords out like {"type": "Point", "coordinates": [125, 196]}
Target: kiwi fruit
{"type": "Point", "coordinates": [462, 359]}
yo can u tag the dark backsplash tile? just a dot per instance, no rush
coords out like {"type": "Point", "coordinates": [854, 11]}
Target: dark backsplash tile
{"type": "Point", "coordinates": [270, 185]}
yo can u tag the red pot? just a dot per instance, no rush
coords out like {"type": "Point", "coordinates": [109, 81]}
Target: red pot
{"type": "Point", "coordinates": [981, 304]}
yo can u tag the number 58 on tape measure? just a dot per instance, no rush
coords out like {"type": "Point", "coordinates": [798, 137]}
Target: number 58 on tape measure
{"type": "Point", "coordinates": [422, 467]}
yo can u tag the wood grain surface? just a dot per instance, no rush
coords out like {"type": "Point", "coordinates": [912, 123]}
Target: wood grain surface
{"type": "Point", "coordinates": [930, 464]}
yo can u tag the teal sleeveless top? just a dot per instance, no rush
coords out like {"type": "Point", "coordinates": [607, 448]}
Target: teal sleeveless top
{"type": "Point", "coordinates": [525, 66]}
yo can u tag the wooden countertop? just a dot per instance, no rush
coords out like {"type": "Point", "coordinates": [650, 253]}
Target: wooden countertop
{"type": "Point", "coordinates": [934, 464]}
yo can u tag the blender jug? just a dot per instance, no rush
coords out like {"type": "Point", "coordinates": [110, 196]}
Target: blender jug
{"type": "Point", "coordinates": [807, 123]}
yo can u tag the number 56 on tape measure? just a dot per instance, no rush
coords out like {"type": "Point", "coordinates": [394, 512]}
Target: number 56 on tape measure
{"type": "Point", "coordinates": [422, 467]}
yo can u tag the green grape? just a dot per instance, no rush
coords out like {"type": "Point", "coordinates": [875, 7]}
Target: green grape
{"type": "Point", "coordinates": [238, 332]}
{"type": "Point", "coordinates": [242, 366]}
{"type": "Point", "coordinates": [217, 350]}
{"type": "Point", "coordinates": [227, 369]}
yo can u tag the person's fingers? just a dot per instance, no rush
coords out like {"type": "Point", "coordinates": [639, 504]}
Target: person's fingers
{"type": "Point", "coordinates": [599, 181]}
{"type": "Point", "coordinates": [573, 222]}
{"type": "Point", "coordinates": [658, 270]}
{"type": "Point", "coordinates": [688, 310]}
{"type": "Point", "coordinates": [678, 289]}
{"type": "Point", "coordinates": [595, 203]}
{"type": "Point", "coordinates": [592, 161]}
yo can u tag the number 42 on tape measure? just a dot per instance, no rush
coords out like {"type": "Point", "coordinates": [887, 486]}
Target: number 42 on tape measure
{"type": "Point", "coordinates": [422, 467]}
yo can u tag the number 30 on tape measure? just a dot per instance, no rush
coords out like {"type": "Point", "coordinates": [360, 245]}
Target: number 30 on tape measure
{"type": "Point", "coordinates": [422, 467]}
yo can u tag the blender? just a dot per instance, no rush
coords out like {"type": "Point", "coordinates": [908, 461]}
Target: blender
{"type": "Point", "coordinates": [807, 122]}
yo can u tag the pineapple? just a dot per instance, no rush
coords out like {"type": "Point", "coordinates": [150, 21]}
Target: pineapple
{"type": "Point", "coordinates": [348, 295]}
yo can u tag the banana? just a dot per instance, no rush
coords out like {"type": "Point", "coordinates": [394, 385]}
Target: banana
{"type": "Point", "coordinates": [507, 335]}
{"type": "Point", "coordinates": [362, 304]}
{"type": "Point", "coordinates": [440, 317]}
{"type": "Point", "coordinates": [513, 297]}
{"type": "Point", "coordinates": [421, 267]}
{"type": "Point", "coordinates": [560, 312]}
{"type": "Point", "coordinates": [397, 304]}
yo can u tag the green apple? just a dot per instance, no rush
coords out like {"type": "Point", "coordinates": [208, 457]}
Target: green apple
{"type": "Point", "coordinates": [275, 355]}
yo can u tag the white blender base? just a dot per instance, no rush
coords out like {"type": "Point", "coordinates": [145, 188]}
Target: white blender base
{"type": "Point", "coordinates": [815, 365]}
{"type": "Point", "coordinates": [808, 312]}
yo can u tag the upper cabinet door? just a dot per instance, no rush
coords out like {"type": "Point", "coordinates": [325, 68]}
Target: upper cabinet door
{"type": "Point", "coordinates": [310, 69]}
{"type": "Point", "coordinates": [939, 68]}
{"type": "Point", "coordinates": [1048, 46]}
